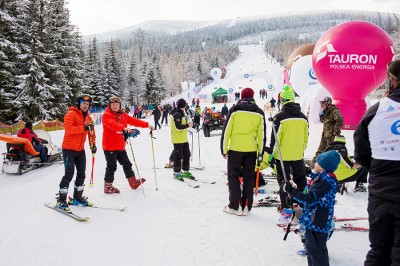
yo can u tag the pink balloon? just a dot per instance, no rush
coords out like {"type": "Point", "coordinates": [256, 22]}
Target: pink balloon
{"type": "Point", "coordinates": [350, 60]}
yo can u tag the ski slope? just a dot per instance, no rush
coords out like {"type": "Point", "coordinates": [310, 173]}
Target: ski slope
{"type": "Point", "coordinates": [174, 225]}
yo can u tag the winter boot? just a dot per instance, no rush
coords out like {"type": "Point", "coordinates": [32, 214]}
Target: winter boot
{"type": "Point", "coordinates": [178, 176]}
{"type": "Point", "coordinates": [110, 189]}
{"type": "Point", "coordinates": [78, 198]}
{"type": "Point", "coordinates": [232, 211]}
{"type": "Point", "coordinates": [188, 175]}
{"type": "Point", "coordinates": [135, 183]}
{"type": "Point", "coordinates": [62, 199]}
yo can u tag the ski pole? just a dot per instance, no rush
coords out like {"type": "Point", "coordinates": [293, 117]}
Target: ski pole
{"type": "Point", "coordinates": [154, 161]}
{"type": "Point", "coordinates": [93, 155]}
{"type": "Point", "coordinates": [257, 178]}
{"type": "Point", "coordinates": [137, 169]}
{"type": "Point", "coordinates": [271, 119]}
{"type": "Point", "coordinates": [191, 152]}
{"type": "Point", "coordinates": [198, 140]}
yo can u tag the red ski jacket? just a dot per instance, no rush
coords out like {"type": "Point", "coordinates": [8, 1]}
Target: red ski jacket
{"type": "Point", "coordinates": [75, 134]}
{"type": "Point", "coordinates": [26, 133]}
{"type": "Point", "coordinates": [113, 124]}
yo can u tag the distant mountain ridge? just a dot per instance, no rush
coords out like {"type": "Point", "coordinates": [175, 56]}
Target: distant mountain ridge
{"type": "Point", "coordinates": [319, 20]}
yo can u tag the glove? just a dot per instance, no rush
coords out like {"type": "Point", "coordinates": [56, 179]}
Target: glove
{"type": "Point", "coordinates": [89, 127]}
{"type": "Point", "coordinates": [271, 160]}
{"type": "Point", "coordinates": [259, 159]}
{"type": "Point", "coordinates": [134, 133]}
{"type": "Point", "coordinates": [287, 187]}
{"type": "Point", "coordinates": [94, 149]}
{"type": "Point", "coordinates": [126, 135]}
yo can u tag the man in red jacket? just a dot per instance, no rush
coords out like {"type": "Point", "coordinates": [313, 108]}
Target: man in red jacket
{"type": "Point", "coordinates": [116, 122]}
{"type": "Point", "coordinates": [27, 133]}
{"type": "Point", "coordinates": [78, 127]}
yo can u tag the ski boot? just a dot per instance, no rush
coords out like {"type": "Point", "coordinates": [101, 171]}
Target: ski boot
{"type": "Point", "coordinates": [135, 183]}
{"type": "Point", "coordinates": [188, 175]}
{"type": "Point", "coordinates": [110, 189]}
{"type": "Point", "coordinates": [360, 187]}
{"type": "Point", "coordinates": [78, 198]}
{"type": "Point", "coordinates": [178, 176]}
{"type": "Point", "coordinates": [62, 199]}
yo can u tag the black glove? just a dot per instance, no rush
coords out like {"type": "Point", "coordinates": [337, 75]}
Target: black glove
{"type": "Point", "coordinates": [89, 127]}
{"type": "Point", "coordinates": [125, 134]}
{"type": "Point", "coordinates": [94, 149]}
{"type": "Point", "coordinates": [287, 187]}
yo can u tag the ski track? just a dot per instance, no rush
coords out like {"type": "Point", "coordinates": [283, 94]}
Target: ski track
{"type": "Point", "coordinates": [174, 225]}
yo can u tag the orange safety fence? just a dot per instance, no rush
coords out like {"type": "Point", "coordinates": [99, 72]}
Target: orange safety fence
{"type": "Point", "coordinates": [44, 125]}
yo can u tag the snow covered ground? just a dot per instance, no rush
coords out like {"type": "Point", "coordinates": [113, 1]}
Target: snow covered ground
{"type": "Point", "coordinates": [174, 225]}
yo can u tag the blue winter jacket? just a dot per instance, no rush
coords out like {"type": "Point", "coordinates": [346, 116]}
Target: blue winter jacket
{"type": "Point", "coordinates": [318, 202]}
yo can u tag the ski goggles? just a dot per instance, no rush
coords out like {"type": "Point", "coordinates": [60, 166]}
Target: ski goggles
{"type": "Point", "coordinates": [85, 98]}
{"type": "Point", "coordinates": [115, 99]}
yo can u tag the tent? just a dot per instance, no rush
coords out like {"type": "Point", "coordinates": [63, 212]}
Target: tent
{"type": "Point", "coordinates": [220, 96]}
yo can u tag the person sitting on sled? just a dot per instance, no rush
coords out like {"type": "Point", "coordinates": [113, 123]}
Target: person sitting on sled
{"type": "Point", "coordinates": [318, 202]}
{"type": "Point", "coordinates": [27, 133]}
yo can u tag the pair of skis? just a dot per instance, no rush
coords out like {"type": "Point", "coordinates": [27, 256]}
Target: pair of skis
{"type": "Point", "coordinates": [77, 217]}
{"type": "Point", "coordinates": [268, 201]}
{"type": "Point", "coordinates": [194, 183]}
{"type": "Point", "coordinates": [344, 227]}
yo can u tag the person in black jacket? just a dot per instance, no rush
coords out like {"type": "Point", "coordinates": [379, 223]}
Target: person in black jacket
{"type": "Point", "coordinates": [377, 147]}
{"type": "Point", "coordinates": [157, 115]}
{"type": "Point", "coordinates": [224, 111]}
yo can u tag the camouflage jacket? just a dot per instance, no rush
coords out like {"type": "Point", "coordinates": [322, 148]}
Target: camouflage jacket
{"type": "Point", "coordinates": [333, 121]}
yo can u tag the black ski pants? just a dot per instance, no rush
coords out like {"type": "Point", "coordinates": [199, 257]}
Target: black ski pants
{"type": "Point", "coordinates": [73, 159]}
{"type": "Point", "coordinates": [166, 119]}
{"type": "Point", "coordinates": [181, 157]}
{"type": "Point", "coordinates": [316, 248]}
{"type": "Point", "coordinates": [384, 232]}
{"type": "Point", "coordinates": [298, 171]}
{"type": "Point", "coordinates": [112, 157]}
{"type": "Point", "coordinates": [238, 162]}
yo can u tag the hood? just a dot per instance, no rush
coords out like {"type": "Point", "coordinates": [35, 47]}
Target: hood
{"type": "Point", "coordinates": [246, 104]}
{"type": "Point", "coordinates": [292, 108]}
{"type": "Point", "coordinates": [176, 110]}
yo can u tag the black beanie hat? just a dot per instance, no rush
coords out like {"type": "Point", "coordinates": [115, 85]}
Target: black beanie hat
{"type": "Point", "coordinates": [181, 103]}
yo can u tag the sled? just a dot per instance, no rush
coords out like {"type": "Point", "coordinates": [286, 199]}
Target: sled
{"type": "Point", "coordinates": [21, 156]}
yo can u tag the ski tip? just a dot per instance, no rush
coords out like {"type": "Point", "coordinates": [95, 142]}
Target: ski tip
{"type": "Point", "coordinates": [84, 219]}
{"type": "Point", "coordinates": [123, 209]}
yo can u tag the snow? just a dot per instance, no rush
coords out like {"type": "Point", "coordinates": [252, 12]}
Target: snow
{"type": "Point", "coordinates": [174, 225]}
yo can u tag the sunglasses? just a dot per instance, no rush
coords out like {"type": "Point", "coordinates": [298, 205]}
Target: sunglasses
{"type": "Point", "coordinates": [115, 100]}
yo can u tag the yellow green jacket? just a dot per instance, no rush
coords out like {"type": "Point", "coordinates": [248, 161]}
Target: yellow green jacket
{"type": "Point", "coordinates": [179, 127]}
{"type": "Point", "coordinates": [244, 129]}
{"type": "Point", "coordinates": [291, 126]}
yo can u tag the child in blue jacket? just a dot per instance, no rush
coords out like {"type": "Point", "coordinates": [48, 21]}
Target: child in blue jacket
{"type": "Point", "coordinates": [318, 206]}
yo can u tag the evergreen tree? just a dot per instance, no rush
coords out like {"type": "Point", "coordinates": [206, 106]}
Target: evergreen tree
{"type": "Point", "coordinates": [133, 79]}
{"type": "Point", "coordinates": [111, 86]}
{"type": "Point", "coordinates": [8, 56]}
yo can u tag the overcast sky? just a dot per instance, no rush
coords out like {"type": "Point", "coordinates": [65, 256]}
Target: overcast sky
{"type": "Point", "coordinates": [96, 16]}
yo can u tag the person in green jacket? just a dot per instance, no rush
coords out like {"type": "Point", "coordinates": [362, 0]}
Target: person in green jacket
{"type": "Point", "coordinates": [179, 125]}
{"type": "Point", "coordinates": [348, 171]}
{"type": "Point", "coordinates": [291, 126]}
{"type": "Point", "coordinates": [242, 143]}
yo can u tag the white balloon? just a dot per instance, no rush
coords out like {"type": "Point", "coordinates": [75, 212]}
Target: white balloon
{"type": "Point", "coordinates": [302, 76]}
{"type": "Point", "coordinates": [216, 73]}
